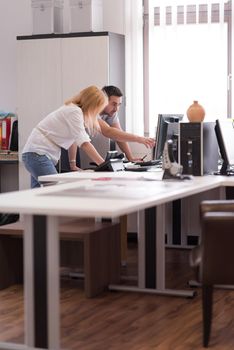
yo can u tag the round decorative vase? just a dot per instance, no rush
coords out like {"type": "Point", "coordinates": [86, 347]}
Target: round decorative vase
{"type": "Point", "coordinates": [196, 112]}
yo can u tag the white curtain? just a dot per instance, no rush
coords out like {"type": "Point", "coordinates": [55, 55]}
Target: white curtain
{"type": "Point", "coordinates": [134, 66]}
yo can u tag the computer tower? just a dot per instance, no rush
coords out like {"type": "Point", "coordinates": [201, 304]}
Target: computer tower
{"type": "Point", "coordinates": [198, 148]}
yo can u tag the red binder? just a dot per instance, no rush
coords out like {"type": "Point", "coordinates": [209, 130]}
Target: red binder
{"type": "Point", "coordinates": [0, 134]}
{"type": "Point", "coordinates": [6, 131]}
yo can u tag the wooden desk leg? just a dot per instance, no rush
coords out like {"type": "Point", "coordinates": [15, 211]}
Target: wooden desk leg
{"type": "Point", "coordinates": [101, 259]}
{"type": "Point", "coordinates": [123, 237]}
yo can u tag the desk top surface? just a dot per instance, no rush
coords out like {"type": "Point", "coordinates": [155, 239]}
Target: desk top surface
{"type": "Point", "coordinates": [87, 174]}
{"type": "Point", "coordinates": [106, 194]}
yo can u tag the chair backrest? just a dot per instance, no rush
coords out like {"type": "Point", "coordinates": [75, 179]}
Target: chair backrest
{"type": "Point", "coordinates": [217, 242]}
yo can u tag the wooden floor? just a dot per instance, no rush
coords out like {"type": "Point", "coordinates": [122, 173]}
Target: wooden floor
{"type": "Point", "coordinates": [130, 321]}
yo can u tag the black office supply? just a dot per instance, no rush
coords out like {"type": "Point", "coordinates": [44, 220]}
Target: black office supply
{"type": "Point", "coordinates": [110, 165]}
{"type": "Point", "coordinates": [14, 137]}
{"type": "Point", "coordinates": [137, 169]}
{"type": "Point", "coordinates": [111, 154]}
{"type": "Point", "coordinates": [172, 170]}
{"type": "Point", "coordinates": [114, 155]}
{"type": "Point", "coordinates": [198, 148]}
{"type": "Point", "coordinates": [225, 136]}
{"type": "Point", "coordinates": [149, 163]}
{"type": "Point", "coordinates": [167, 128]}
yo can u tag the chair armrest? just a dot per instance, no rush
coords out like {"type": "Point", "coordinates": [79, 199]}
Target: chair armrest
{"type": "Point", "coordinates": [217, 205]}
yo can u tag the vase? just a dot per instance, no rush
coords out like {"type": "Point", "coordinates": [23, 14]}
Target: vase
{"type": "Point", "coordinates": [196, 112]}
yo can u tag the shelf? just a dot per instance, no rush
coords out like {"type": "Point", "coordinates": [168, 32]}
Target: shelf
{"type": "Point", "coordinates": [9, 157]}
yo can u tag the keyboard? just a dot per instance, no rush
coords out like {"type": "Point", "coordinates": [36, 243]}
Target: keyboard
{"type": "Point", "coordinates": [137, 168]}
{"type": "Point", "coordinates": [149, 163]}
{"type": "Point", "coordinates": [143, 166]}
{"type": "Point", "coordinates": [229, 173]}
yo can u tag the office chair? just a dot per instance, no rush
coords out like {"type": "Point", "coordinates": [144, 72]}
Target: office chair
{"type": "Point", "coordinates": [213, 259]}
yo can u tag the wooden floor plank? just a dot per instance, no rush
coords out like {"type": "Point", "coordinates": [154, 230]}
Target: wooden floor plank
{"type": "Point", "coordinates": [130, 321]}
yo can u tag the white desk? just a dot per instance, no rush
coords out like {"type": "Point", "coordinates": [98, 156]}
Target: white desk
{"type": "Point", "coordinates": [84, 175]}
{"type": "Point", "coordinates": [43, 206]}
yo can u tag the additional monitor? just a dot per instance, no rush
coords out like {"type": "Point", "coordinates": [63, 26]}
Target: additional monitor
{"type": "Point", "coordinates": [225, 136]}
{"type": "Point", "coordinates": [167, 128]}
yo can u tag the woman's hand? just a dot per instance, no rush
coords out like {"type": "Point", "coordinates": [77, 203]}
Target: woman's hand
{"type": "Point", "coordinates": [73, 166]}
{"type": "Point", "coordinates": [135, 159]}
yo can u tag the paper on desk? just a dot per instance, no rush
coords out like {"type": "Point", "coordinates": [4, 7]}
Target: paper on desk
{"type": "Point", "coordinates": [115, 189]}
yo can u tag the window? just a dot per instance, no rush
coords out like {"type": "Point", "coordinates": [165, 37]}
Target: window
{"type": "Point", "coordinates": [188, 58]}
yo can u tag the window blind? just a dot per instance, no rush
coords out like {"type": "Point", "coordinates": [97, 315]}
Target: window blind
{"type": "Point", "coordinates": [192, 14]}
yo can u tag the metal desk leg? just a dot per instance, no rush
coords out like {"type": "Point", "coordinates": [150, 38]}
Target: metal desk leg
{"type": "Point", "coordinates": [155, 219]}
{"type": "Point", "coordinates": [141, 248]}
{"type": "Point", "coordinates": [160, 246]}
{"type": "Point", "coordinates": [41, 281]}
{"type": "Point", "coordinates": [53, 282]}
{"type": "Point", "coordinates": [28, 280]}
{"type": "Point", "coordinates": [151, 248]}
{"type": "Point", "coordinates": [151, 255]}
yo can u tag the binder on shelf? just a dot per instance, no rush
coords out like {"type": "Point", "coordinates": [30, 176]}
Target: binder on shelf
{"type": "Point", "coordinates": [0, 134]}
{"type": "Point", "coordinates": [9, 133]}
{"type": "Point", "coordinates": [6, 131]}
{"type": "Point", "coordinates": [13, 145]}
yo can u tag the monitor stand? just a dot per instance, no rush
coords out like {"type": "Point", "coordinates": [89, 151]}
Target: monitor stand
{"type": "Point", "coordinates": [225, 170]}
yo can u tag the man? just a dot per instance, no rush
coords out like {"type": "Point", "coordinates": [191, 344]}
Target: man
{"type": "Point", "coordinates": [111, 128]}
{"type": "Point", "coordinates": [110, 116]}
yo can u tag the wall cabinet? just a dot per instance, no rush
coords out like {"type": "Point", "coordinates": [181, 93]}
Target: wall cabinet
{"type": "Point", "coordinates": [8, 175]}
{"type": "Point", "coordinates": [52, 68]}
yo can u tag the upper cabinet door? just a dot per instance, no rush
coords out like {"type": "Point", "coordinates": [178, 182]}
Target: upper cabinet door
{"type": "Point", "coordinates": [39, 89]}
{"type": "Point", "coordinates": [39, 82]}
{"type": "Point", "coordinates": [85, 62]}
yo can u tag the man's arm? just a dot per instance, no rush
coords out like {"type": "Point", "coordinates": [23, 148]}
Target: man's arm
{"type": "Point", "coordinates": [124, 146]}
{"type": "Point", "coordinates": [122, 136]}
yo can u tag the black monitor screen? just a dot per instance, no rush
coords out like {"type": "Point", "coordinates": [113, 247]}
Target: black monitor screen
{"type": "Point", "coordinates": [225, 137]}
{"type": "Point", "coordinates": [167, 128]}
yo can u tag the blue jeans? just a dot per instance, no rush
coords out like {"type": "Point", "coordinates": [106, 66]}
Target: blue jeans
{"type": "Point", "coordinates": [38, 165]}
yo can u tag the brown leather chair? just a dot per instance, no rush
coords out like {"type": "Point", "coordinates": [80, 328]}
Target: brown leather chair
{"type": "Point", "coordinates": [214, 257]}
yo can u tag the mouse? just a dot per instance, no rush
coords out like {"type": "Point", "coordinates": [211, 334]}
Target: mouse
{"type": "Point", "coordinates": [186, 177]}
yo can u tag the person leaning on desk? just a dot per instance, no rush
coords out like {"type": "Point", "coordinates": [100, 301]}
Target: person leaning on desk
{"type": "Point", "coordinates": [62, 128]}
{"type": "Point", "coordinates": [110, 127]}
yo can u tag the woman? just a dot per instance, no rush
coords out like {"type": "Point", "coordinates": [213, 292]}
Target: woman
{"type": "Point", "coordinates": [62, 128]}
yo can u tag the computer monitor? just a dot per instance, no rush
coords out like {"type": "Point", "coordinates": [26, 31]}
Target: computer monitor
{"type": "Point", "coordinates": [225, 136]}
{"type": "Point", "coordinates": [167, 128]}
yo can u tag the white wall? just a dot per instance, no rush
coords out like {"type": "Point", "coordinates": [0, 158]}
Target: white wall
{"type": "Point", "coordinates": [16, 19]}
{"type": "Point", "coordinates": [114, 16]}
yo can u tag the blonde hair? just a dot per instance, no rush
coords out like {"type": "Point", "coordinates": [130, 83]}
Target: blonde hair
{"type": "Point", "coordinates": [92, 101]}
